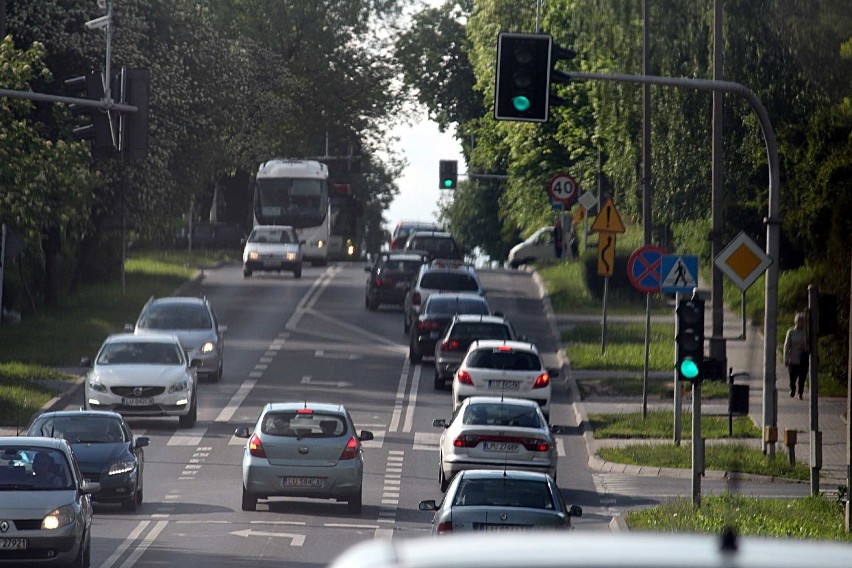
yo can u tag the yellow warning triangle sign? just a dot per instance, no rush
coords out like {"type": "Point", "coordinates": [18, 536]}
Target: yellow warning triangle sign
{"type": "Point", "coordinates": [608, 220]}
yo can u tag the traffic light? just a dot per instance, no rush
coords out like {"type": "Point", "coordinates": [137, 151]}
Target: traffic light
{"type": "Point", "coordinates": [522, 88]}
{"type": "Point", "coordinates": [135, 124]}
{"type": "Point", "coordinates": [98, 130]}
{"type": "Point", "coordinates": [689, 338]}
{"type": "Point", "coordinates": [448, 174]}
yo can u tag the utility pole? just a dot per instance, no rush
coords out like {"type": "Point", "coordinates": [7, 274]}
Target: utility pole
{"type": "Point", "coordinates": [717, 341]}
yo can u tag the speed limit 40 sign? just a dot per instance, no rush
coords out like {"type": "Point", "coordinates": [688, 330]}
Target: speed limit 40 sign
{"type": "Point", "coordinates": [564, 189]}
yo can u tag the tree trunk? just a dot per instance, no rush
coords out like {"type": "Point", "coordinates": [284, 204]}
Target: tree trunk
{"type": "Point", "coordinates": [51, 244]}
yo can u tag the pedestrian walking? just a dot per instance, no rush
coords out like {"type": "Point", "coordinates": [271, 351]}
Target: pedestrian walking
{"type": "Point", "coordinates": [558, 237]}
{"type": "Point", "coordinates": [796, 355]}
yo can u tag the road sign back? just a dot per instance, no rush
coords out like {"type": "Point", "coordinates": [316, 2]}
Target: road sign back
{"type": "Point", "coordinates": [608, 220]}
{"type": "Point", "coordinates": [643, 268]}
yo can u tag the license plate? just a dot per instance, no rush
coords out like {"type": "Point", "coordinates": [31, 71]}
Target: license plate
{"type": "Point", "coordinates": [433, 335]}
{"type": "Point", "coordinates": [499, 528]}
{"type": "Point", "coordinates": [13, 544]}
{"type": "Point", "coordinates": [510, 447]}
{"type": "Point", "coordinates": [302, 482]}
{"type": "Point", "coordinates": [271, 263]}
{"type": "Point", "coordinates": [504, 385]}
{"type": "Point", "coordinates": [138, 402]}
{"type": "Point", "coordinates": [401, 285]}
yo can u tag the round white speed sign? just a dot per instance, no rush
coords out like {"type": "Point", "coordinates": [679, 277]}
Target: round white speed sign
{"type": "Point", "coordinates": [563, 188]}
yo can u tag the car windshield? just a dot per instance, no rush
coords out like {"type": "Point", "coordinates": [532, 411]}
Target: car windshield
{"type": "Point", "coordinates": [479, 330]}
{"type": "Point", "coordinates": [504, 492]}
{"type": "Point", "coordinates": [506, 360]}
{"type": "Point", "coordinates": [140, 353]}
{"type": "Point", "coordinates": [171, 316]}
{"type": "Point", "coordinates": [501, 414]}
{"type": "Point", "coordinates": [80, 429]}
{"type": "Point", "coordinates": [302, 424]}
{"type": "Point", "coordinates": [24, 467]}
{"type": "Point", "coordinates": [270, 236]}
{"type": "Point", "coordinates": [450, 281]}
{"type": "Point", "coordinates": [455, 305]}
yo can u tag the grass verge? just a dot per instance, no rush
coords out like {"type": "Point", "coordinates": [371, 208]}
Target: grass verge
{"type": "Point", "coordinates": [625, 346]}
{"type": "Point", "coordinates": [24, 389]}
{"type": "Point", "coordinates": [660, 389]}
{"type": "Point", "coordinates": [659, 424]}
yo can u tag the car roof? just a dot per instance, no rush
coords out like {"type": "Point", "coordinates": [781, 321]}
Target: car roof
{"type": "Point", "coordinates": [507, 473]}
{"type": "Point", "coordinates": [35, 441]}
{"type": "Point", "coordinates": [500, 400]}
{"type": "Point", "coordinates": [146, 338]}
{"type": "Point", "coordinates": [178, 300]}
{"type": "Point", "coordinates": [559, 549]}
{"type": "Point", "coordinates": [448, 265]}
{"type": "Point", "coordinates": [478, 318]}
{"type": "Point", "coordinates": [441, 234]}
{"type": "Point", "coordinates": [473, 296]}
{"type": "Point", "coordinates": [62, 413]}
{"type": "Point", "coordinates": [274, 227]}
{"type": "Point", "coordinates": [316, 406]}
{"type": "Point", "coordinates": [402, 255]}
{"type": "Point", "coordinates": [494, 343]}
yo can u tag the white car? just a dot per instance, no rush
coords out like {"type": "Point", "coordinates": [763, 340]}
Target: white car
{"type": "Point", "coordinates": [495, 433]}
{"type": "Point", "coordinates": [142, 375]}
{"type": "Point", "coordinates": [503, 368]}
{"type": "Point", "coordinates": [272, 248]}
{"type": "Point", "coordinates": [538, 246]}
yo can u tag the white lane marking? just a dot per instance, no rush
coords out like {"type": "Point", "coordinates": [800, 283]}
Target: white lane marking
{"type": "Point", "coordinates": [265, 360]}
{"type": "Point", "coordinates": [190, 437]}
{"type": "Point", "coordinates": [400, 397]}
{"type": "Point", "coordinates": [311, 296]}
{"type": "Point", "coordinates": [143, 546]}
{"type": "Point", "coordinates": [428, 441]}
{"type": "Point", "coordinates": [321, 354]}
{"type": "Point", "coordinates": [256, 374]}
{"type": "Point", "coordinates": [383, 533]}
{"type": "Point", "coordinates": [235, 402]}
{"type": "Point", "coordinates": [412, 399]}
{"type": "Point", "coordinates": [307, 380]}
{"type": "Point", "coordinates": [359, 331]}
{"type": "Point", "coordinates": [261, 367]}
{"type": "Point", "coordinates": [560, 447]}
{"type": "Point", "coordinates": [125, 544]}
{"type": "Point", "coordinates": [291, 523]}
{"type": "Point", "coordinates": [295, 539]}
{"type": "Point", "coordinates": [396, 452]}
{"type": "Point", "coordinates": [378, 439]}
{"type": "Point", "coordinates": [348, 526]}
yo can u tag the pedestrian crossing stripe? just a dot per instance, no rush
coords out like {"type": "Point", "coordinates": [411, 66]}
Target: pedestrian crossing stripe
{"type": "Point", "coordinates": [680, 273]}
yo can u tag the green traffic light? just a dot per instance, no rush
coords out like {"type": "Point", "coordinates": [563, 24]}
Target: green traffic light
{"type": "Point", "coordinates": [448, 183]}
{"type": "Point", "coordinates": [688, 368]}
{"type": "Point", "coordinates": [521, 103]}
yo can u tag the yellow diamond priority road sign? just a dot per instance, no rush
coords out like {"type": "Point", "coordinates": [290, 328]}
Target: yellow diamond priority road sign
{"type": "Point", "coordinates": [742, 261]}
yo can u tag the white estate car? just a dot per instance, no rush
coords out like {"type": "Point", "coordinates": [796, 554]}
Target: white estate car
{"type": "Point", "coordinates": [142, 375]}
{"type": "Point", "coordinates": [272, 248]}
{"type": "Point", "coordinates": [538, 246]}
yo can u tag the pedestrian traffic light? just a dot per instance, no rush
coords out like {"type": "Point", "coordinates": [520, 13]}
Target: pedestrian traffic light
{"type": "Point", "coordinates": [689, 338]}
{"type": "Point", "coordinates": [448, 174]}
{"type": "Point", "coordinates": [98, 129]}
{"type": "Point", "coordinates": [522, 88]}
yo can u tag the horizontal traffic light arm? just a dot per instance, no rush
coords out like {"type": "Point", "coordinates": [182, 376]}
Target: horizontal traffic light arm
{"type": "Point", "coordinates": [67, 100]}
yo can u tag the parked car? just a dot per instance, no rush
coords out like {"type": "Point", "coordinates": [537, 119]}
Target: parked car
{"type": "Point", "coordinates": [45, 504]}
{"type": "Point", "coordinates": [538, 246]}
{"type": "Point", "coordinates": [460, 333]}
{"type": "Point", "coordinates": [495, 433]}
{"type": "Point", "coordinates": [435, 244]}
{"type": "Point", "coordinates": [142, 375]}
{"type": "Point", "coordinates": [510, 368]}
{"type": "Point", "coordinates": [435, 277]}
{"type": "Point", "coordinates": [196, 325]}
{"type": "Point", "coordinates": [303, 449]}
{"type": "Point", "coordinates": [404, 228]}
{"type": "Point", "coordinates": [273, 248]}
{"type": "Point", "coordinates": [500, 500]}
{"type": "Point", "coordinates": [390, 277]}
{"type": "Point", "coordinates": [434, 316]}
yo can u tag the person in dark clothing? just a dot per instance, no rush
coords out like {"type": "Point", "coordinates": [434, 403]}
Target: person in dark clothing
{"type": "Point", "coordinates": [558, 238]}
{"type": "Point", "coordinates": [796, 355]}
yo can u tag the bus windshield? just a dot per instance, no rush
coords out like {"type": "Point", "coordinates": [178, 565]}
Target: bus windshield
{"type": "Point", "coordinates": [290, 201]}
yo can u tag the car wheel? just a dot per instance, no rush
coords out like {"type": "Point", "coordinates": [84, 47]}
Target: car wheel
{"type": "Point", "coordinates": [414, 354]}
{"type": "Point", "coordinates": [249, 501]}
{"type": "Point", "coordinates": [218, 376]}
{"type": "Point", "coordinates": [439, 382]}
{"type": "Point", "coordinates": [372, 305]}
{"type": "Point", "coordinates": [297, 273]}
{"type": "Point", "coordinates": [442, 480]}
{"type": "Point", "coordinates": [355, 505]}
{"type": "Point", "coordinates": [84, 558]}
{"type": "Point", "coordinates": [405, 324]}
{"type": "Point", "coordinates": [246, 273]}
{"type": "Point", "coordinates": [130, 503]}
{"type": "Point", "coordinates": [188, 421]}
{"type": "Point", "coordinates": [139, 496]}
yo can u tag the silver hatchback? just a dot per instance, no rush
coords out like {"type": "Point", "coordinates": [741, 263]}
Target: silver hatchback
{"type": "Point", "coordinates": [303, 449]}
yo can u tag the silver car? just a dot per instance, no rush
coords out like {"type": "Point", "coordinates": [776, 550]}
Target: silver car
{"type": "Point", "coordinates": [303, 449]}
{"type": "Point", "coordinates": [196, 325]}
{"type": "Point", "coordinates": [501, 500]}
{"type": "Point", "coordinates": [272, 248]}
{"type": "Point", "coordinates": [45, 505]}
{"type": "Point", "coordinates": [493, 432]}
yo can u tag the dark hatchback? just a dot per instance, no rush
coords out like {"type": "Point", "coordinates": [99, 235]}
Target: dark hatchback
{"type": "Point", "coordinates": [105, 448]}
{"type": "Point", "coordinates": [390, 277]}
{"type": "Point", "coordinates": [457, 337]}
{"type": "Point", "coordinates": [434, 317]}
{"type": "Point", "coordinates": [435, 244]}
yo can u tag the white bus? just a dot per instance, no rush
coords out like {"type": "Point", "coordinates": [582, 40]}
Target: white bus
{"type": "Point", "coordinates": [295, 192]}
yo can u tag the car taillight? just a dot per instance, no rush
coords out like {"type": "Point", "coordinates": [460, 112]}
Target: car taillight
{"type": "Point", "coordinates": [445, 527]}
{"type": "Point", "coordinates": [378, 283]}
{"type": "Point", "coordinates": [351, 450]}
{"type": "Point", "coordinates": [394, 244]}
{"type": "Point", "coordinates": [466, 441]}
{"type": "Point", "coordinates": [388, 283]}
{"type": "Point", "coordinates": [255, 447]}
{"type": "Point", "coordinates": [452, 345]}
{"type": "Point", "coordinates": [427, 325]}
{"type": "Point", "coordinates": [542, 381]}
{"type": "Point", "coordinates": [464, 378]}
{"type": "Point", "coordinates": [415, 299]}
{"type": "Point", "coordinates": [536, 445]}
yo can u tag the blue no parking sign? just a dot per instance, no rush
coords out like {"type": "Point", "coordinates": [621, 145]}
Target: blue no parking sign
{"type": "Point", "coordinates": [643, 268]}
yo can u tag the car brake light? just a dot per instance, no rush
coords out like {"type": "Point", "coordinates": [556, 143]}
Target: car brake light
{"type": "Point", "coordinates": [304, 411]}
{"type": "Point", "coordinates": [351, 450]}
{"type": "Point", "coordinates": [464, 378]}
{"type": "Point", "coordinates": [466, 441]}
{"type": "Point", "coordinates": [255, 447]}
{"type": "Point", "coordinates": [505, 348]}
{"type": "Point", "coordinates": [415, 299]}
{"type": "Point", "coordinates": [542, 381]}
{"type": "Point", "coordinates": [452, 345]}
{"type": "Point", "coordinates": [445, 527]}
{"type": "Point", "coordinates": [378, 282]}
{"type": "Point", "coordinates": [536, 445]}
{"type": "Point", "coordinates": [427, 325]}
{"type": "Point", "coordinates": [388, 283]}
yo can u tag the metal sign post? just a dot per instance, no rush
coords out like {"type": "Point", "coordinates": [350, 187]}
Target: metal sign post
{"type": "Point", "coordinates": [643, 270]}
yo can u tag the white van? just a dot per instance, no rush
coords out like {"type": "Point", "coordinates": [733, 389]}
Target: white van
{"type": "Point", "coordinates": [539, 246]}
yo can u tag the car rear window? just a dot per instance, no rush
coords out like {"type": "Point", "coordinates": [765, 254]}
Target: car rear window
{"type": "Point", "coordinates": [506, 360]}
{"type": "Point", "coordinates": [454, 305]}
{"type": "Point", "coordinates": [402, 265]}
{"type": "Point", "coordinates": [295, 424]}
{"type": "Point", "coordinates": [496, 414]}
{"type": "Point", "coordinates": [480, 330]}
{"type": "Point", "coordinates": [449, 281]}
{"type": "Point", "coordinates": [440, 247]}
{"type": "Point", "coordinates": [504, 492]}
{"type": "Point", "coordinates": [175, 316]}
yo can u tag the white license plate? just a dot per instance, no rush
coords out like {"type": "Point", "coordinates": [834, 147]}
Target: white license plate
{"type": "Point", "coordinates": [510, 447]}
{"type": "Point", "coordinates": [13, 544]}
{"type": "Point", "coordinates": [500, 528]}
{"type": "Point", "coordinates": [401, 284]}
{"type": "Point", "coordinates": [433, 335]}
{"type": "Point", "coordinates": [302, 482]}
{"type": "Point", "coordinates": [271, 263]}
{"type": "Point", "coordinates": [138, 402]}
{"type": "Point", "coordinates": [504, 385]}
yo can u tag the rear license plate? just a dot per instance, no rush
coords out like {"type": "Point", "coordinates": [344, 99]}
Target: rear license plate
{"type": "Point", "coordinates": [271, 263]}
{"type": "Point", "coordinates": [401, 285]}
{"type": "Point", "coordinates": [504, 385]}
{"type": "Point", "coordinates": [138, 402]}
{"type": "Point", "coordinates": [13, 544]}
{"type": "Point", "coordinates": [302, 482]}
{"type": "Point", "coordinates": [499, 528]}
{"type": "Point", "coordinates": [510, 447]}
{"type": "Point", "coordinates": [433, 335]}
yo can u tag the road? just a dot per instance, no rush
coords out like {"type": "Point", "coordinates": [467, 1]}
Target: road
{"type": "Point", "coordinates": [313, 339]}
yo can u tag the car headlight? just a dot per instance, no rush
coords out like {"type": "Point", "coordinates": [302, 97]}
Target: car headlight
{"type": "Point", "coordinates": [58, 518]}
{"type": "Point", "coordinates": [207, 347]}
{"type": "Point", "coordinates": [253, 256]}
{"type": "Point", "coordinates": [320, 244]}
{"type": "Point", "coordinates": [97, 386]}
{"type": "Point", "coordinates": [291, 256]}
{"type": "Point", "coordinates": [179, 387]}
{"type": "Point", "coordinates": [118, 468]}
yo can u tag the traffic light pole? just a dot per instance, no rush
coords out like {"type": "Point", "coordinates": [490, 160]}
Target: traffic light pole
{"type": "Point", "coordinates": [103, 105]}
{"type": "Point", "coordinates": [772, 220]}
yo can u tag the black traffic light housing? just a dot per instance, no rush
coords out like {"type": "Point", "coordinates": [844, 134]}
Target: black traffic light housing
{"type": "Point", "coordinates": [98, 130]}
{"type": "Point", "coordinates": [689, 338]}
{"type": "Point", "coordinates": [522, 90]}
{"type": "Point", "coordinates": [134, 128]}
{"type": "Point", "coordinates": [448, 174]}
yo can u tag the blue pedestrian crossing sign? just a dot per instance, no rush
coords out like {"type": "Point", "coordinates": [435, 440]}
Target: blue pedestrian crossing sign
{"type": "Point", "coordinates": [679, 273]}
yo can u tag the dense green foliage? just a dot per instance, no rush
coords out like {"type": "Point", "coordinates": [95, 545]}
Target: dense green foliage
{"type": "Point", "coordinates": [659, 424]}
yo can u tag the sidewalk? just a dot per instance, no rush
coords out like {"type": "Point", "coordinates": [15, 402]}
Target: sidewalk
{"type": "Point", "coordinates": [743, 356]}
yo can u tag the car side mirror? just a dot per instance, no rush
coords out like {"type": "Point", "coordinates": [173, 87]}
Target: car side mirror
{"type": "Point", "coordinates": [243, 241]}
{"type": "Point", "coordinates": [365, 436]}
{"type": "Point", "coordinates": [90, 487]}
{"type": "Point", "coordinates": [522, 338]}
{"type": "Point", "coordinates": [439, 423]}
{"type": "Point", "coordinates": [303, 243]}
{"type": "Point", "coordinates": [428, 505]}
{"type": "Point", "coordinates": [195, 363]}
{"type": "Point", "coordinates": [482, 292]}
{"type": "Point", "coordinates": [242, 433]}
{"type": "Point", "coordinates": [499, 314]}
{"type": "Point", "coordinates": [142, 442]}
{"type": "Point", "coordinates": [368, 269]}
{"type": "Point", "coordinates": [575, 511]}
{"type": "Point", "coordinates": [554, 373]}
{"type": "Point", "coordinates": [85, 362]}
{"type": "Point", "coordinates": [128, 327]}
{"type": "Point", "coordinates": [222, 328]}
